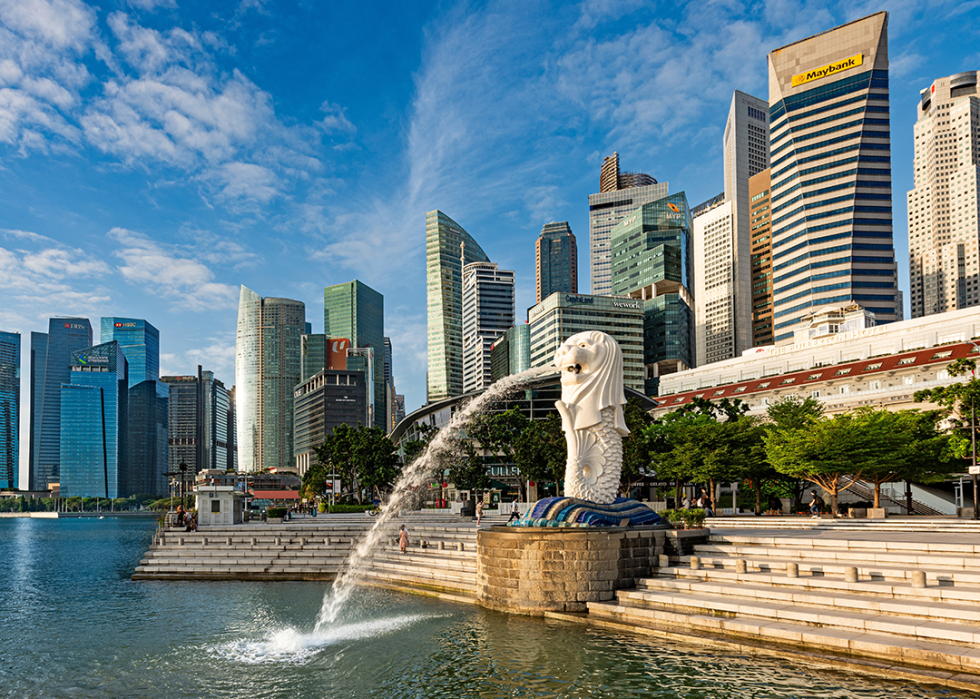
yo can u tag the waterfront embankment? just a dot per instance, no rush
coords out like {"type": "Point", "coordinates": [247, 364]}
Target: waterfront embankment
{"type": "Point", "coordinates": [896, 598]}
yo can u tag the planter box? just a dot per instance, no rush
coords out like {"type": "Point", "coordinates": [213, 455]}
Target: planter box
{"type": "Point", "coordinates": [877, 513]}
{"type": "Point", "coordinates": [273, 520]}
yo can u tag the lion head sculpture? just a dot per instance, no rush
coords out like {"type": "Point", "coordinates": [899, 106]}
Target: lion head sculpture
{"type": "Point", "coordinates": [591, 365]}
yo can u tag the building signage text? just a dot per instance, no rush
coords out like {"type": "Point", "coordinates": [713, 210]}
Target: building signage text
{"type": "Point", "coordinates": [829, 69]}
{"type": "Point", "coordinates": [579, 299]}
{"type": "Point", "coordinates": [626, 304]}
{"type": "Point", "coordinates": [832, 340]}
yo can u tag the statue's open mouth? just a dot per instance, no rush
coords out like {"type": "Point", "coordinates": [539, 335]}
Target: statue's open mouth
{"type": "Point", "coordinates": [574, 368]}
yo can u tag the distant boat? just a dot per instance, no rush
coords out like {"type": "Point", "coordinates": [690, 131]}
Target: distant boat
{"type": "Point", "coordinates": [101, 517]}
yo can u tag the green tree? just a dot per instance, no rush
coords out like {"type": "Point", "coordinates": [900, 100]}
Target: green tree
{"type": "Point", "coordinates": [377, 460]}
{"type": "Point", "coordinates": [540, 451]}
{"type": "Point", "coordinates": [467, 469]}
{"type": "Point", "coordinates": [414, 448]}
{"type": "Point", "coordinates": [962, 401]}
{"type": "Point", "coordinates": [835, 452]}
{"type": "Point", "coordinates": [497, 433]}
{"type": "Point", "coordinates": [791, 413]}
{"type": "Point", "coordinates": [636, 448]}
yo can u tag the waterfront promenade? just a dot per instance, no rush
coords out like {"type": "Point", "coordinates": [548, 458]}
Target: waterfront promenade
{"type": "Point", "coordinates": [897, 598]}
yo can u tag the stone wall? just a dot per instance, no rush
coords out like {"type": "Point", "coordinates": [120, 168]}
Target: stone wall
{"type": "Point", "coordinates": [532, 570]}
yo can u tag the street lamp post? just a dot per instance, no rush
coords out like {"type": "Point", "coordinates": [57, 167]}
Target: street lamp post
{"type": "Point", "coordinates": [183, 486]}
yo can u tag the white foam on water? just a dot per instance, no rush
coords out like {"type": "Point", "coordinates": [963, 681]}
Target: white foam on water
{"type": "Point", "coordinates": [293, 646]}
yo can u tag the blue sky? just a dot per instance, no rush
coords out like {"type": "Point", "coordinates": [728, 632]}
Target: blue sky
{"type": "Point", "coordinates": [155, 154]}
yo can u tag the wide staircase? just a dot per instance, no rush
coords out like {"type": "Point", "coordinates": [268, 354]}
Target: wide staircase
{"type": "Point", "coordinates": [826, 523]}
{"type": "Point", "coordinates": [888, 601]}
{"type": "Point", "coordinates": [441, 555]}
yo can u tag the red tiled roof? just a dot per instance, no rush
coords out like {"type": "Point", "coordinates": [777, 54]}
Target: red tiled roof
{"type": "Point", "coordinates": [276, 494]}
{"type": "Point", "coordinates": [865, 367]}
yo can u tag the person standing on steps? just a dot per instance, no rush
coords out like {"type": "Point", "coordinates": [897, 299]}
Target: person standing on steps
{"type": "Point", "coordinates": [479, 511]}
{"type": "Point", "coordinates": [403, 539]}
{"type": "Point", "coordinates": [816, 504]}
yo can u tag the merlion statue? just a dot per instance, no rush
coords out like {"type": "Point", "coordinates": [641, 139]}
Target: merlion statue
{"type": "Point", "coordinates": [591, 408]}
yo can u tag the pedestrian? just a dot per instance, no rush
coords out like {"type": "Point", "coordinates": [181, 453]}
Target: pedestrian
{"type": "Point", "coordinates": [686, 503]}
{"type": "Point", "coordinates": [403, 539]}
{"type": "Point", "coordinates": [515, 512]}
{"type": "Point", "coordinates": [706, 504]}
{"type": "Point", "coordinates": [816, 504]}
{"type": "Point", "coordinates": [479, 511]}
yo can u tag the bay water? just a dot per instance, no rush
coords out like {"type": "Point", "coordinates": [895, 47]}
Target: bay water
{"type": "Point", "coordinates": [74, 625]}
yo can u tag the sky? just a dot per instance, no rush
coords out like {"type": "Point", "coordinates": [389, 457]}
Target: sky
{"type": "Point", "coordinates": [157, 154]}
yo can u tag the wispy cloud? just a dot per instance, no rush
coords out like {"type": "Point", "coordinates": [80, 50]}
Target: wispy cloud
{"type": "Point", "coordinates": [170, 273]}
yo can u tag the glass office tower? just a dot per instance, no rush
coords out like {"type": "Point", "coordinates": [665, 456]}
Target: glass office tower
{"type": "Point", "coordinates": [830, 156]}
{"type": "Point", "coordinates": [9, 408]}
{"type": "Point", "coordinates": [652, 262]}
{"type": "Point", "coordinates": [355, 311]}
{"type": "Point", "coordinates": [53, 356]}
{"type": "Point", "coordinates": [556, 260]}
{"type": "Point", "coordinates": [140, 342]}
{"type": "Point", "coordinates": [447, 248]}
{"type": "Point", "coordinates": [267, 368]}
{"type": "Point", "coordinates": [94, 424]}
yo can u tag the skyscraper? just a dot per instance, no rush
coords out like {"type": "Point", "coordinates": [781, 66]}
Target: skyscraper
{"type": "Point", "coordinates": [746, 147]}
{"type": "Point", "coordinates": [447, 248]}
{"type": "Point", "coordinates": [718, 330]}
{"type": "Point", "coordinates": [267, 367]}
{"type": "Point", "coordinates": [9, 408]}
{"type": "Point", "coordinates": [149, 406]}
{"type": "Point", "coordinates": [556, 260]}
{"type": "Point", "coordinates": [760, 226]}
{"type": "Point", "coordinates": [830, 155]}
{"type": "Point", "coordinates": [52, 353]}
{"type": "Point", "coordinates": [95, 425]}
{"type": "Point", "coordinates": [511, 352]}
{"type": "Point", "coordinates": [355, 311]}
{"type": "Point", "coordinates": [313, 354]}
{"type": "Point", "coordinates": [201, 431]}
{"type": "Point", "coordinates": [652, 263]}
{"type": "Point", "coordinates": [620, 194]}
{"type": "Point", "coordinates": [488, 311]}
{"type": "Point", "coordinates": [390, 385]}
{"type": "Point", "coordinates": [140, 342]}
{"type": "Point", "coordinates": [944, 210]}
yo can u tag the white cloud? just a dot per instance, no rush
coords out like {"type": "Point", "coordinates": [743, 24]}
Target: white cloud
{"type": "Point", "coordinates": [152, 5]}
{"type": "Point", "coordinates": [169, 274]}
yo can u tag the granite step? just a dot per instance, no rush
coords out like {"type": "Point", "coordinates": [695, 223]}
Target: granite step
{"type": "Point", "coordinates": [934, 574]}
{"type": "Point", "coordinates": [866, 621]}
{"type": "Point", "coordinates": [810, 582]}
{"type": "Point", "coordinates": [936, 609]}
{"type": "Point", "coordinates": [901, 557]}
{"type": "Point", "coordinates": [882, 544]}
{"type": "Point", "coordinates": [892, 649]}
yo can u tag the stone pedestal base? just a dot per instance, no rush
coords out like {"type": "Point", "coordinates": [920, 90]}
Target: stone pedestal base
{"type": "Point", "coordinates": [533, 570]}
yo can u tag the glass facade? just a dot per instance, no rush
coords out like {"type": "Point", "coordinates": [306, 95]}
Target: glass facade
{"type": "Point", "coordinates": [324, 402]}
{"type": "Point", "coordinates": [356, 312]}
{"type": "Point", "coordinates": [267, 367]}
{"type": "Point", "coordinates": [94, 424]}
{"type": "Point", "coordinates": [447, 248]}
{"type": "Point", "coordinates": [760, 222]}
{"type": "Point", "coordinates": [64, 336]}
{"type": "Point", "coordinates": [556, 260]}
{"type": "Point", "coordinates": [488, 312]}
{"type": "Point", "coordinates": [831, 124]}
{"type": "Point", "coordinates": [652, 261]}
{"type": "Point", "coordinates": [140, 342]}
{"type": "Point", "coordinates": [148, 438]}
{"type": "Point", "coordinates": [201, 424]}
{"type": "Point", "coordinates": [313, 354]}
{"type": "Point", "coordinates": [9, 409]}
{"type": "Point", "coordinates": [511, 353]}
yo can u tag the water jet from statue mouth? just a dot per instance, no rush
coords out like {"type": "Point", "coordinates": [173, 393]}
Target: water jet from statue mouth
{"type": "Point", "coordinates": [574, 369]}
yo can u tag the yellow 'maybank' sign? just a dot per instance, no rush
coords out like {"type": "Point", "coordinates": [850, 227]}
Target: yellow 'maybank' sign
{"type": "Point", "coordinates": [829, 69]}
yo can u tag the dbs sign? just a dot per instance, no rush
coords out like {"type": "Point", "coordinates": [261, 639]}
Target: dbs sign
{"type": "Point", "coordinates": [337, 353]}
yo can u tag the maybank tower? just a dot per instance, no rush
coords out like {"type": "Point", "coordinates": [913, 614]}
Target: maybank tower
{"type": "Point", "coordinates": [830, 155]}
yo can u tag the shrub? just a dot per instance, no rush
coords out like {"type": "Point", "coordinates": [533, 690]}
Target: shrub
{"type": "Point", "coordinates": [348, 509]}
{"type": "Point", "coordinates": [321, 508]}
{"type": "Point", "coordinates": [694, 519]}
{"type": "Point", "coordinates": [276, 512]}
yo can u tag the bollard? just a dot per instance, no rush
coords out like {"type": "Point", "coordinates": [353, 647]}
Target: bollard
{"type": "Point", "coordinates": [204, 541]}
{"type": "Point", "coordinates": [663, 561]}
{"type": "Point", "coordinates": [792, 570]}
{"type": "Point", "coordinates": [326, 541]}
{"type": "Point", "coordinates": [253, 541]}
{"type": "Point", "coordinates": [180, 541]}
{"type": "Point", "coordinates": [918, 578]}
{"type": "Point", "coordinates": [278, 541]}
{"type": "Point", "coordinates": [740, 566]}
{"type": "Point", "coordinates": [228, 541]}
{"type": "Point", "coordinates": [850, 574]}
{"type": "Point", "coordinates": [442, 545]}
{"type": "Point", "coordinates": [695, 563]}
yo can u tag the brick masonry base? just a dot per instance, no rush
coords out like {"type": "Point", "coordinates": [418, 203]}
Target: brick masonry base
{"type": "Point", "coordinates": [533, 570]}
